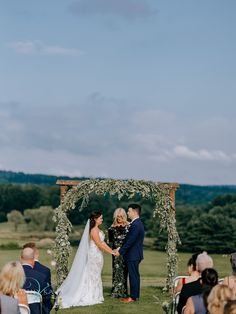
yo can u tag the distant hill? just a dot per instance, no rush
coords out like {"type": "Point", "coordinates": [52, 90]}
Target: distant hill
{"type": "Point", "coordinates": [186, 194]}
{"type": "Point", "coordinates": [23, 178]}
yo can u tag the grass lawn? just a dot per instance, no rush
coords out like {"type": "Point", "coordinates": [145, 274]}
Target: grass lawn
{"type": "Point", "coordinates": [150, 303]}
{"type": "Point", "coordinates": [152, 270]}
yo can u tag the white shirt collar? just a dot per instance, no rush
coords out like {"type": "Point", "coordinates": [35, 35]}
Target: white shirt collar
{"type": "Point", "coordinates": [27, 265]}
{"type": "Point", "coordinates": [134, 219]}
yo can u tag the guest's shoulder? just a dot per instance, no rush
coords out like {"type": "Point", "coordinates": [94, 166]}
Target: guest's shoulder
{"type": "Point", "coordinates": [192, 283]}
{"type": "Point", "coordinates": [39, 275]}
{"type": "Point", "coordinates": [192, 287]}
{"type": "Point", "coordinates": [42, 266]}
{"type": "Point", "coordinates": [8, 300]}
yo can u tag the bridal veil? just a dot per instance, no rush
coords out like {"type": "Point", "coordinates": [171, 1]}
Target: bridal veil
{"type": "Point", "coordinates": [73, 282]}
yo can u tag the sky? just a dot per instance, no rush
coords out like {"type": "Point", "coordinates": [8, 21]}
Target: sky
{"type": "Point", "coordinates": [141, 89]}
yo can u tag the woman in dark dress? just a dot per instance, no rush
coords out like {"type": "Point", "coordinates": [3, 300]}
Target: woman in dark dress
{"type": "Point", "coordinates": [116, 235]}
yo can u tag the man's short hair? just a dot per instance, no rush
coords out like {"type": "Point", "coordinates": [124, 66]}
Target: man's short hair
{"type": "Point", "coordinates": [27, 253]}
{"type": "Point", "coordinates": [203, 261]}
{"type": "Point", "coordinates": [32, 245]}
{"type": "Point", "coordinates": [135, 207]}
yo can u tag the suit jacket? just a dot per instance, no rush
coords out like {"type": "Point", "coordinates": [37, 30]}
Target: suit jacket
{"type": "Point", "coordinates": [48, 291]}
{"type": "Point", "coordinates": [36, 281]}
{"type": "Point", "coordinates": [188, 290]}
{"type": "Point", "coordinates": [43, 269]}
{"type": "Point", "coordinates": [132, 248]}
{"type": "Point", "coordinates": [8, 305]}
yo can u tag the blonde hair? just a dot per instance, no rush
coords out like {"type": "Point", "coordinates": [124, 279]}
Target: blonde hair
{"type": "Point", "coordinates": [116, 213]}
{"type": "Point", "coordinates": [218, 297]}
{"type": "Point", "coordinates": [230, 307]}
{"type": "Point", "coordinates": [12, 278]}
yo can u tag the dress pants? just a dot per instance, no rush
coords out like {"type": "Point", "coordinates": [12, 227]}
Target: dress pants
{"type": "Point", "coordinates": [134, 278]}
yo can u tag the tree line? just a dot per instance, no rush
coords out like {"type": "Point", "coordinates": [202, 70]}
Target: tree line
{"type": "Point", "coordinates": [210, 227]}
{"type": "Point", "coordinates": [26, 196]}
{"type": "Point", "coordinates": [205, 216]}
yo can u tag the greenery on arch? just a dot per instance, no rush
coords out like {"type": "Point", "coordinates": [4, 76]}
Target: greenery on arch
{"type": "Point", "coordinates": [158, 192]}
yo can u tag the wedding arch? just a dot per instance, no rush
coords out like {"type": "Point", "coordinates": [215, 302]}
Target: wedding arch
{"type": "Point", "coordinates": [72, 191]}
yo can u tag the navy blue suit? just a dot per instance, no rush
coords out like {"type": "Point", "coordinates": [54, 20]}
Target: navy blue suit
{"type": "Point", "coordinates": [132, 252]}
{"type": "Point", "coordinates": [36, 281]}
{"type": "Point", "coordinates": [48, 291]}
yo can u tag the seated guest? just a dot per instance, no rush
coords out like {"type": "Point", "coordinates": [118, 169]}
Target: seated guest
{"type": "Point", "coordinates": [230, 307]}
{"type": "Point", "coordinates": [230, 281]}
{"type": "Point", "coordinates": [193, 288]}
{"type": "Point", "coordinates": [12, 278]}
{"type": "Point", "coordinates": [44, 270]}
{"type": "Point", "coordinates": [192, 271]}
{"type": "Point", "coordinates": [35, 281]}
{"type": "Point", "coordinates": [197, 304]}
{"type": "Point", "coordinates": [219, 295]}
{"type": "Point", "coordinates": [8, 305]}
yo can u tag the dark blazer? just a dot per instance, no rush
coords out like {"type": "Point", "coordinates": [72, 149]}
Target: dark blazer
{"type": "Point", "coordinates": [132, 248]}
{"type": "Point", "coordinates": [188, 290]}
{"type": "Point", "coordinates": [43, 269]}
{"type": "Point", "coordinates": [36, 281]}
{"type": "Point", "coordinates": [48, 291]}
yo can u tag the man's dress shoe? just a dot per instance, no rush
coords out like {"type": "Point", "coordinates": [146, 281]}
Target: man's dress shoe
{"type": "Point", "coordinates": [127, 300]}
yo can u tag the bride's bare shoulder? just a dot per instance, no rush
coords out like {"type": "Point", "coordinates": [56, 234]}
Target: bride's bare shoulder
{"type": "Point", "coordinates": [94, 232]}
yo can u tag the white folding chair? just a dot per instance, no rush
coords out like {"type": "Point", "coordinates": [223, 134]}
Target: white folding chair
{"type": "Point", "coordinates": [175, 298]}
{"type": "Point", "coordinates": [176, 280]}
{"type": "Point", "coordinates": [175, 301]}
{"type": "Point", "coordinates": [24, 309]}
{"type": "Point", "coordinates": [34, 297]}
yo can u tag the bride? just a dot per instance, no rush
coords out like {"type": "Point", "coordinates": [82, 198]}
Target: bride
{"type": "Point", "coordinates": [83, 285]}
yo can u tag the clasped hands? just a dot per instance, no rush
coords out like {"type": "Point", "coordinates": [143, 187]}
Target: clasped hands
{"type": "Point", "coordinates": [115, 252]}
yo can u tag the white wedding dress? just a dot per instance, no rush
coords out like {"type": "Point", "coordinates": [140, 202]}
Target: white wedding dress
{"type": "Point", "coordinates": [83, 285]}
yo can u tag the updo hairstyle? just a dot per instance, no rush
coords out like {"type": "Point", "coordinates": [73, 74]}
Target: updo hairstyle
{"type": "Point", "coordinates": [94, 215]}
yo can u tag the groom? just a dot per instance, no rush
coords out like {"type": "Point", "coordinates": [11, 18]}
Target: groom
{"type": "Point", "coordinates": [132, 251]}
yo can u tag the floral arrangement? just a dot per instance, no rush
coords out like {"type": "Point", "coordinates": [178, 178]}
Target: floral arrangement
{"type": "Point", "coordinates": [164, 210]}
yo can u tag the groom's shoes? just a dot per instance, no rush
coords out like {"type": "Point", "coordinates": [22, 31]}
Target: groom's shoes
{"type": "Point", "coordinates": [127, 300]}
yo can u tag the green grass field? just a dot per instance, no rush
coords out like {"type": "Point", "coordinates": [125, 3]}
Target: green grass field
{"type": "Point", "coordinates": [152, 269]}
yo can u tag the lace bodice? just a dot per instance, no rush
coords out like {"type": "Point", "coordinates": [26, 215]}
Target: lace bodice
{"type": "Point", "coordinates": [95, 255]}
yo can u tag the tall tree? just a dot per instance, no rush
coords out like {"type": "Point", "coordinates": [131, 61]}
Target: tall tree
{"type": "Point", "coordinates": [15, 217]}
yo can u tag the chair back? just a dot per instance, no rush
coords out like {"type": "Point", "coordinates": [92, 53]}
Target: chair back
{"type": "Point", "coordinates": [33, 297]}
{"type": "Point", "coordinates": [176, 280]}
{"type": "Point", "coordinates": [24, 309]}
{"type": "Point", "coordinates": [174, 303]}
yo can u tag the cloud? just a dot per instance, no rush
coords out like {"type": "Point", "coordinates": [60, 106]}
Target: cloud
{"type": "Point", "coordinates": [107, 136]}
{"type": "Point", "coordinates": [103, 124]}
{"type": "Point", "coordinates": [202, 154]}
{"type": "Point", "coordinates": [125, 9]}
{"type": "Point", "coordinates": [38, 47]}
